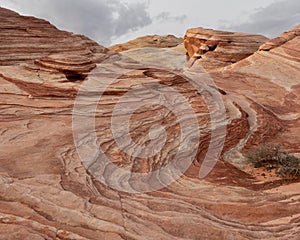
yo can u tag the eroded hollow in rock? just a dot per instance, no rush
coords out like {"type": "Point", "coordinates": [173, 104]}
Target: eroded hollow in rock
{"type": "Point", "coordinates": [74, 76]}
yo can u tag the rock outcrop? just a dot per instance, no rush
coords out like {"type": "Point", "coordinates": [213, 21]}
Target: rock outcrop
{"type": "Point", "coordinates": [48, 190]}
{"type": "Point", "coordinates": [156, 41]}
{"type": "Point", "coordinates": [214, 49]}
{"type": "Point", "coordinates": [31, 54]}
{"type": "Point", "coordinates": [270, 80]}
{"type": "Point", "coordinates": [282, 39]}
{"type": "Point", "coordinates": [167, 51]}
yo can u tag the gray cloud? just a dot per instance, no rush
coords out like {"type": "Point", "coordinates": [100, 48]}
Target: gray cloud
{"type": "Point", "coordinates": [166, 16]}
{"type": "Point", "coordinates": [271, 20]}
{"type": "Point", "coordinates": [101, 20]}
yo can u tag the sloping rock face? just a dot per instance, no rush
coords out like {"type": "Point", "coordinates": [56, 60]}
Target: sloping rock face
{"type": "Point", "coordinates": [31, 54]}
{"type": "Point", "coordinates": [49, 190]}
{"type": "Point", "coordinates": [156, 41]}
{"type": "Point", "coordinates": [167, 51]}
{"type": "Point", "coordinates": [214, 49]}
{"type": "Point", "coordinates": [24, 39]}
{"type": "Point", "coordinates": [269, 79]}
{"type": "Point", "coordinates": [282, 39]}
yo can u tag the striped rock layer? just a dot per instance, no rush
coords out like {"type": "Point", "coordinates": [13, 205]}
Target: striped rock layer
{"type": "Point", "coordinates": [49, 191]}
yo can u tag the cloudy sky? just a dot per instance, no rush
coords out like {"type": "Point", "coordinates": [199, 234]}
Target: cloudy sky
{"type": "Point", "coordinates": [114, 21]}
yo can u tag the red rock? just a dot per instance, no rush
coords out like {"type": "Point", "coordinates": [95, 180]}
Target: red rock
{"type": "Point", "coordinates": [38, 45]}
{"type": "Point", "coordinates": [270, 80]}
{"type": "Point", "coordinates": [283, 38]}
{"type": "Point", "coordinates": [213, 49]}
{"type": "Point", "coordinates": [46, 191]}
{"type": "Point", "coordinates": [156, 41]}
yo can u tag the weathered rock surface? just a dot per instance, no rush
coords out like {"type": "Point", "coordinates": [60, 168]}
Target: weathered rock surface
{"type": "Point", "coordinates": [164, 57]}
{"type": "Point", "coordinates": [213, 49]}
{"type": "Point", "coordinates": [38, 46]}
{"type": "Point", "coordinates": [268, 80]}
{"type": "Point", "coordinates": [283, 38]}
{"type": "Point", "coordinates": [46, 190]}
{"type": "Point", "coordinates": [168, 51]}
{"type": "Point", "coordinates": [156, 41]}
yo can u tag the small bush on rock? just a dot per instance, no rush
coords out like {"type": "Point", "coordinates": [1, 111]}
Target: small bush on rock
{"type": "Point", "coordinates": [272, 157]}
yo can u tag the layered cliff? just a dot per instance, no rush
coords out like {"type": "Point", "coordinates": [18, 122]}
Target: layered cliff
{"type": "Point", "coordinates": [214, 49]}
{"type": "Point", "coordinates": [51, 189]}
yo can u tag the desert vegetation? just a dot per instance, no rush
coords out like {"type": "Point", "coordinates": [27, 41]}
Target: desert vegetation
{"type": "Point", "coordinates": [273, 157]}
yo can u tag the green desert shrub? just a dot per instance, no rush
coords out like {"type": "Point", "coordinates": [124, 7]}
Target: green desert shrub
{"type": "Point", "coordinates": [272, 157]}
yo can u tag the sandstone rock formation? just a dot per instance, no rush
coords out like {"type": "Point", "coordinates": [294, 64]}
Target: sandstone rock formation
{"type": "Point", "coordinates": [283, 38]}
{"type": "Point", "coordinates": [269, 81]}
{"type": "Point", "coordinates": [32, 49]}
{"type": "Point", "coordinates": [214, 49]}
{"type": "Point", "coordinates": [166, 51]}
{"type": "Point", "coordinates": [157, 41]}
{"type": "Point", "coordinates": [48, 191]}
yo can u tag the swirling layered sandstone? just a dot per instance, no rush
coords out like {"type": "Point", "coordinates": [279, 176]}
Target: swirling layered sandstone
{"type": "Point", "coordinates": [46, 190]}
{"type": "Point", "coordinates": [33, 51]}
{"type": "Point", "coordinates": [214, 49]}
